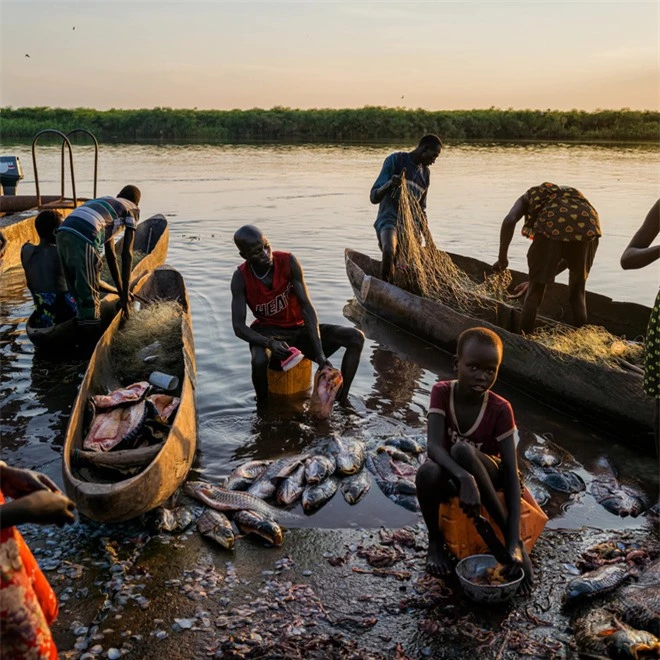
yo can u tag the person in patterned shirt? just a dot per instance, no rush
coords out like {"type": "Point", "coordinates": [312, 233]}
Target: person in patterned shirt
{"type": "Point", "coordinates": [472, 451]}
{"type": "Point", "coordinates": [564, 229]}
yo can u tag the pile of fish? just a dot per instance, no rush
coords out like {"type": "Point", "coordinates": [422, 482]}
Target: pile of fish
{"type": "Point", "coordinates": [628, 625]}
{"type": "Point", "coordinates": [129, 418]}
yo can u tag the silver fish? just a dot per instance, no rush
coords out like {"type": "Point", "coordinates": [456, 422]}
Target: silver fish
{"type": "Point", "coordinates": [318, 468]}
{"type": "Point", "coordinates": [395, 453]}
{"type": "Point", "coordinates": [620, 499]}
{"type": "Point", "coordinates": [564, 481]}
{"type": "Point", "coordinates": [355, 487]}
{"type": "Point", "coordinates": [315, 496]}
{"type": "Point", "coordinates": [266, 485]}
{"type": "Point", "coordinates": [406, 501]}
{"type": "Point", "coordinates": [174, 520]}
{"type": "Point", "coordinates": [250, 522]}
{"type": "Point", "coordinates": [349, 453]}
{"type": "Point", "coordinates": [407, 444]}
{"type": "Point", "coordinates": [222, 499]}
{"type": "Point", "coordinates": [603, 579]}
{"type": "Point", "coordinates": [291, 488]}
{"type": "Point", "coordinates": [216, 526]}
{"type": "Point", "coordinates": [244, 475]}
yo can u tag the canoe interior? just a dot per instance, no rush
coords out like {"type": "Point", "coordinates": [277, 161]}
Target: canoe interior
{"type": "Point", "coordinates": [107, 496]}
{"type": "Point", "coordinates": [152, 238]}
{"type": "Point", "coordinates": [608, 398]}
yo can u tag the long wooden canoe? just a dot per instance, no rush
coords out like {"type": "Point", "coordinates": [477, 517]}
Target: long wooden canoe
{"type": "Point", "coordinates": [116, 501]}
{"type": "Point", "coordinates": [152, 238]}
{"type": "Point", "coordinates": [607, 397]}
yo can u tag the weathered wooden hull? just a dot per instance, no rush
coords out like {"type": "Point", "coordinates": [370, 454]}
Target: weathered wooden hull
{"type": "Point", "coordinates": [151, 237]}
{"type": "Point", "coordinates": [131, 497]}
{"type": "Point", "coordinates": [610, 398]}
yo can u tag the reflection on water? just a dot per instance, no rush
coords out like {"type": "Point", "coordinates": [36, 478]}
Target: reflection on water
{"type": "Point", "coordinates": [313, 201]}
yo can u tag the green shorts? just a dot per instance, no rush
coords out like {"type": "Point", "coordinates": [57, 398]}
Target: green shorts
{"type": "Point", "coordinates": [82, 265]}
{"type": "Point", "coordinates": [544, 255]}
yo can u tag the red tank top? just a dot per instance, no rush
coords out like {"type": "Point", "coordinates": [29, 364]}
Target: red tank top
{"type": "Point", "coordinates": [277, 305]}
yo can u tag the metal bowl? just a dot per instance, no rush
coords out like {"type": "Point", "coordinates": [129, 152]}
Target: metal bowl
{"type": "Point", "coordinates": [476, 565]}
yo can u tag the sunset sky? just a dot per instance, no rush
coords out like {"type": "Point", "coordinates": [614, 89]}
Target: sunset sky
{"type": "Point", "coordinates": [432, 55]}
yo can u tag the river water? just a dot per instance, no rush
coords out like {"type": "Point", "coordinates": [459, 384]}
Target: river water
{"type": "Point", "coordinates": [314, 202]}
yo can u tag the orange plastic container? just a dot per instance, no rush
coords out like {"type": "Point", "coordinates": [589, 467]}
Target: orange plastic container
{"type": "Point", "coordinates": [461, 535]}
{"type": "Point", "coordinates": [294, 381]}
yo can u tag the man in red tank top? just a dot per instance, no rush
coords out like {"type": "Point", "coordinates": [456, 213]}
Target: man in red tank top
{"type": "Point", "coordinates": [273, 286]}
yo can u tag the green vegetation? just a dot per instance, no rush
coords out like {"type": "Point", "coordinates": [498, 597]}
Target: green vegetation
{"type": "Point", "coordinates": [325, 125]}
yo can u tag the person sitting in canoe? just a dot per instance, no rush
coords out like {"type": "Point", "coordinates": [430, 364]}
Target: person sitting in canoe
{"type": "Point", "coordinates": [80, 239]}
{"type": "Point", "coordinates": [414, 166]}
{"type": "Point", "coordinates": [272, 285]}
{"type": "Point", "coordinates": [638, 254]}
{"type": "Point", "coordinates": [564, 228]}
{"type": "Point", "coordinates": [472, 451]}
{"type": "Point", "coordinates": [43, 273]}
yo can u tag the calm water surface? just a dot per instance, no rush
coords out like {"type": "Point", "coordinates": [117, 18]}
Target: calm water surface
{"type": "Point", "coordinates": [314, 201]}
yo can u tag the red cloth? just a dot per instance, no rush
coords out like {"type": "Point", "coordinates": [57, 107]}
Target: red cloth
{"type": "Point", "coordinates": [28, 605]}
{"type": "Point", "coordinates": [494, 422]}
{"type": "Point", "coordinates": [277, 305]}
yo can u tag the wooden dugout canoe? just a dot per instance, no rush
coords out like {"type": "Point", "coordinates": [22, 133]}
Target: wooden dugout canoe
{"type": "Point", "coordinates": [130, 497]}
{"type": "Point", "coordinates": [610, 398]}
{"type": "Point", "coordinates": [151, 237]}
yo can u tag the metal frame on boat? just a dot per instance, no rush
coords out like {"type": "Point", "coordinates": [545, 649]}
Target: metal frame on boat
{"type": "Point", "coordinates": [609, 398]}
{"type": "Point", "coordinates": [121, 500]}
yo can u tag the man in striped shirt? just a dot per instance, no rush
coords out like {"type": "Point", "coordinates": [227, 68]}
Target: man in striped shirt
{"type": "Point", "coordinates": [80, 240]}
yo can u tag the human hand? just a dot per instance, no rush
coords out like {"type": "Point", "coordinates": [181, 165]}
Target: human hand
{"type": "Point", "coordinates": [323, 361]}
{"type": "Point", "coordinates": [280, 349]}
{"type": "Point", "coordinates": [125, 305]}
{"type": "Point", "coordinates": [470, 500]}
{"type": "Point", "coordinates": [45, 507]}
{"type": "Point", "coordinates": [396, 179]}
{"type": "Point", "coordinates": [17, 482]}
{"type": "Point", "coordinates": [501, 264]}
{"type": "Point", "coordinates": [520, 291]}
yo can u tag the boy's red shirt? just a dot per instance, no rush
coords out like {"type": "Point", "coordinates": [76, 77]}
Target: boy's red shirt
{"type": "Point", "coordinates": [494, 422]}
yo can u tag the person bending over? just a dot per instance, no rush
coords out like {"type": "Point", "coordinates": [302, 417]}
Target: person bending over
{"type": "Point", "coordinates": [472, 451]}
{"type": "Point", "coordinates": [414, 166]}
{"type": "Point", "coordinates": [272, 285]}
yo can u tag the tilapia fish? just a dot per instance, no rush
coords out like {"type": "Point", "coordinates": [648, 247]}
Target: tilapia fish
{"type": "Point", "coordinates": [563, 481]}
{"type": "Point", "coordinates": [407, 444]}
{"type": "Point", "coordinates": [250, 522]}
{"type": "Point", "coordinates": [639, 604]}
{"type": "Point", "coordinates": [546, 453]}
{"type": "Point", "coordinates": [395, 453]}
{"type": "Point", "coordinates": [165, 405]}
{"type": "Point", "coordinates": [589, 631]}
{"type": "Point", "coordinates": [266, 485]}
{"type": "Point", "coordinates": [633, 644]}
{"type": "Point", "coordinates": [409, 502]}
{"type": "Point", "coordinates": [538, 490]}
{"type": "Point", "coordinates": [120, 397]}
{"type": "Point", "coordinates": [602, 580]}
{"type": "Point", "coordinates": [350, 454]}
{"type": "Point", "coordinates": [355, 487]}
{"type": "Point", "coordinates": [216, 526]}
{"type": "Point", "coordinates": [230, 500]}
{"type": "Point", "coordinates": [291, 488]}
{"type": "Point", "coordinates": [114, 427]}
{"type": "Point", "coordinates": [327, 384]}
{"type": "Point", "coordinates": [619, 499]}
{"type": "Point", "coordinates": [314, 497]}
{"type": "Point", "coordinates": [318, 468]}
{"type": "Point", "coordinates": [244, 475]}
{"type": "Point", "coordinates": [174, 520]}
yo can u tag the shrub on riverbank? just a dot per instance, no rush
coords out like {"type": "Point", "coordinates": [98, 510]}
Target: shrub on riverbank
{"type": "Point", "coordinates": [328, 125]}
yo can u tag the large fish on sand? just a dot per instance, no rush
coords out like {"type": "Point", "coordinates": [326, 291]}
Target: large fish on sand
{"type": "Point", "coordinates": [318, 468]}
{"type": "Point", "coordinates": [291, 488]}
{"type": "Point", "coordinates": [602, 580]}
{"type": "Point", "coordinates": [327, 384]}
{"type": "Point", "coordinates": [355, 487]}
{"type": "Point", "coordinates": [407, 444]}
{"type": "Point", "coordinates": [245, 475]}
{"type": "Point", "coordinates": [349, 454]}
{"type": "Point", "coordinates": [617, 498]}
{"type": "Point", "coordinates": [230, 500]}
{"type": "Point", "coordinates": [216, 526]}
{"type": "Point", "coordinates": [266, 485]}
{"type": "Point", "coordinates": [314, 497]}
{"type": "Point", "coordinates": [250, 522]}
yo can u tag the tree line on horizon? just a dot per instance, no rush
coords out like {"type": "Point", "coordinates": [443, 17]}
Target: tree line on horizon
{"type": "Point", "coordinates": [371, 123]}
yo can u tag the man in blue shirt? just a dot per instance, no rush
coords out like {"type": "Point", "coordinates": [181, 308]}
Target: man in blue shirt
{"type": "Point", "coordinates": [414, 166]}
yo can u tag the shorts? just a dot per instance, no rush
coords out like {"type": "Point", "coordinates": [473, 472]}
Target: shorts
{"type": "Point", "coordinates": [82, 265]}
{"type": "Point", "coordinates": [299, 337]}
{"type": "Point", "coordinates": [544, 255]}
{"type": "Point", "coordinates": [497, 462]}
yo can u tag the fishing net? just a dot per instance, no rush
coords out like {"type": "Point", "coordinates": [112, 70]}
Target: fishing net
{"type": "Point", "coordinates": [591, 343]}
{"type": "Point", "coordinates": [152, 333]}
{"type": "Point", "coordinates": [424, 269]}
{"type": "Point", "coordinates": [138, 255]}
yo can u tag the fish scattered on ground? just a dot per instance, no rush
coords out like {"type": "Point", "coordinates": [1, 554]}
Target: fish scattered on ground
{"type": "Point", "coordinates": [563, 481]}
{"type": "Point", "coordinates": [589, 630]}
{"type": "Point", "coordinates": [541, 456]}
{"type": "Point", "coordinates": [244, 475]}
{"type": "Point", "coordinates": [595, 583]}
{"type": "Point", "coordinates": [119, 426]}
{"type": "Point", "coordinates": [291, 488]}
{"type": "Point", "coordinates": [314, 497]}
{"type": "Point", "coordinates": [232, 500]}
{"type": "Point", "coordinates": [538, 490]}
{"type": "Point", "coordinates": [216, 526]}
{"type": "Point", "coordinates": [409, 502]}
{"type": "Point", "coordinates": [250, 522]}
{"type": "Point", "coordinates": [266, 485]}
{"type": "Point", "coordinates": [544, 452]}
{"type": "Point", "coordinates": [318, 468]}
{"type": "Point", "coordinates": [639, 604]}
{"type": "Point", "coordinates": [355, 487]}
{"type": "Point", "coordinates": [634, 644]}
{"type": "Point", "coordinates": [174, 520]}
{"type": "Point", "coordinates": [394, 453]}
{"type": "Point", "coordinates": [349, 453]}
{"type": "Point", "coordinates": [400, 487]}
{"type": "Point", "coordinates": [407, 444]}
{"type": "Point", "coordinates": [327, 384]}
{"type": "Point", "coordinates": [619, 499]}
{"type": "Point", "coordinates": [127, 395]}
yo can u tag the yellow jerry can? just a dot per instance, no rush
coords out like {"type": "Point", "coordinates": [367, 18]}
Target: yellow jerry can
{"type": "Point", "coordinates": [294, 381]}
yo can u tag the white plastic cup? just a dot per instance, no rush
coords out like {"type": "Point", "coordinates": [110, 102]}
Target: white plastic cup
{"type": "Point", "coordinates": [163, 381]}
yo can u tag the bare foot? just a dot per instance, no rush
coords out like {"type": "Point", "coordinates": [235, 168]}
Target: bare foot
{"type": "Point", "coordinates": [528, 580]}
{"type": "Point", "coordinates": [437, 562]}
